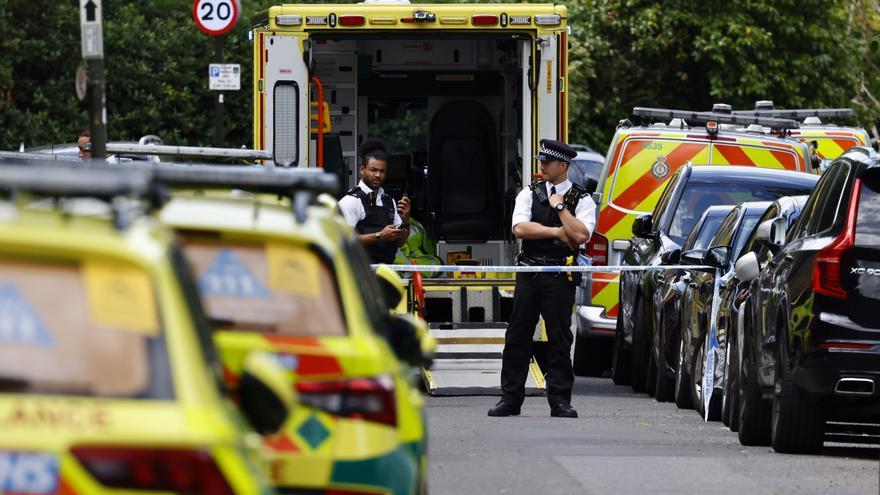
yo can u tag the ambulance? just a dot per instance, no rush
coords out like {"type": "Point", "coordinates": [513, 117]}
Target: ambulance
{"type": "Point", "coordinates": [461, 94]}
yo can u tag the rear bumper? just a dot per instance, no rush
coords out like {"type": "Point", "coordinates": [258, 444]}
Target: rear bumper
{"type": "Point", "coordinates": [840, 373]}
{"type": "Point", "coordinates": [592, 321]}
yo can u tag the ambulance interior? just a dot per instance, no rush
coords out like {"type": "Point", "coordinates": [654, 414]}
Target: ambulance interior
{"type": "Point", "coordinates": [450, 113]}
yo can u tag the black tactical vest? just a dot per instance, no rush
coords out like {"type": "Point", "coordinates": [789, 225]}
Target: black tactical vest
{"type": "Point", "coordinates": [543, 214]}
{"type": "Point", "coordinates": [375, 219]}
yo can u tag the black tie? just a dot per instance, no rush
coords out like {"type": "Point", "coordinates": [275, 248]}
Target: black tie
{"type": "Point", "coordinates": [372, 198]}
{"type": "Point", "coordinates": [552, 190]}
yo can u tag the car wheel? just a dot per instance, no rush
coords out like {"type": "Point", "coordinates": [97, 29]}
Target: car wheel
{"type": "Point", "coordinates": [639, 350]}
{"type": "Point", "coordinates": [797, 425]}
{"type": "Point", "coordinates": [591, 355]}
{"type": "Point", "coordinates": [682, 392]}
{"type": "Point", "coordinates": [697, 386]}
{"type": "Point", "coordinates": [651, 375]}
{"type": "Point", "coordinates": [620, 358]}
{"type": "Point", "coordinates": [754, 411]}
{"type": "Point", "coordinates": [726, 395]}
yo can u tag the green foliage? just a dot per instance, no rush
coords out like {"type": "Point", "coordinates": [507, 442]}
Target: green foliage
{"type": "Point", "coordinates": [686, 54]}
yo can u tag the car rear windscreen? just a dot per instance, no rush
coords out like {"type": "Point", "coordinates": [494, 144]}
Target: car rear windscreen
{"type": "Point", "coordinates": [273, 287]}
{"type": "Point", "coordinates": [697, 197]}
{"type": "Point", "coordinates": [89, 328]}
{"type": "Point", "coordinates": [868, 216]}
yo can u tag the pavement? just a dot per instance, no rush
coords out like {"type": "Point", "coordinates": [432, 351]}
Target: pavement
{"type": "Point", "coordinates": [623, 443]}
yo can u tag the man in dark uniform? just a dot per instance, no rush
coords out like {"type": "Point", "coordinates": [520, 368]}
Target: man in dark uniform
{"type": "Point", "coordinates": [553, 218]}
{"type": "Point", "coordinates": [382, 224]}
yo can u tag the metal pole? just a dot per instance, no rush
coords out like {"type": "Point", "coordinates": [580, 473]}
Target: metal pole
{"type": "Point", "coordinates": [97, 107]}
{"type": "Point", "coordinates": [219, 132]}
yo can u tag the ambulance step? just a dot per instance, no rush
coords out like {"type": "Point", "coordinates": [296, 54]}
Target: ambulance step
{"type": "Point", "coordinates": [467, 361]}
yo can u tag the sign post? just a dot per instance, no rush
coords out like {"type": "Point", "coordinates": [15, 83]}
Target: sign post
{"type": "Point", "coordinates": [216, 18]}
{"type": "Point", "coordinates": [90, 14]}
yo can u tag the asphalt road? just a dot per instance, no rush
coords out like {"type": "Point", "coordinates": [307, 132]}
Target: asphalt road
{"type": "Point", "coordinates": [622, 443]}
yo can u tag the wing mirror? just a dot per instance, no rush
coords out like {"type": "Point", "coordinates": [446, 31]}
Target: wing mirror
{"type": "Point", "coordinates": [747, 267]}
{"type": "Point", "coordinates": [590, 184]}
{"type": "Point", "coordinates": [642, 227]}
{"type": "Point", "coordinates": [392, 286]}
{"type": "Point", "coordinates": [410, 340]}
{"type": "Point", "coordinates": [772, 231]}
{"type": "Point", "coordinates": [266, 392]}
{"type": "Point", "coordinates": [716, 257]}
{"type": "Point", "coordinates": [693, 257]}
{"type": "Point", "coordinates": [670, 257]}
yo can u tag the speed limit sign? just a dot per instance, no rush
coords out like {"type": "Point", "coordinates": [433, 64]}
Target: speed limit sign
{"type": "Point", "coordinates": [216, 17]}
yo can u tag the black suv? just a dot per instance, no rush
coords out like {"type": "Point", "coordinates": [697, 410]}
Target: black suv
{"type": "Point", "coordinates": [689, 192]}
{"type": "Point", "coordinates": [817, 308]}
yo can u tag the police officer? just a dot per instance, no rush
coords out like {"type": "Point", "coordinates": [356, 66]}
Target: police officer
{"type": "Point", "coordinates": [380, 222]}
{"type": "Point", "coordinates": [553, 218]}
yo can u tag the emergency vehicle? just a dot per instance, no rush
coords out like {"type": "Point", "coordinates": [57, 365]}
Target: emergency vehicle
{"type": "Point", "coordinates": [639, 163]}
{"type": "Point", "coordinates": [473, 87]}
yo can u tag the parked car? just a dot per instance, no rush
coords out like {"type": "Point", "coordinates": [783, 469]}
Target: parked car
{"type": "Point", "coordinates": [110, 381]}
{"type": "Point", "coordinates": [281, 275]}
{"type": "Point", "coordinates": [817, 308]}
{"type": "Point", "coordinates": [665, 348]}
{"type": "Point", "coordinates": [745, 410]}
{"type": "Point", "coordinates": [691, 190]}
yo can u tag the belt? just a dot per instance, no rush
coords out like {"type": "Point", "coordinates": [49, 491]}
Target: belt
{"type": "Point", "coordinates": [540, 261]}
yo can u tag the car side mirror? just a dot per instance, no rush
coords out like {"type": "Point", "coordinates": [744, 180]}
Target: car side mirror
{"type": "Point", "coordinates": [590, 184]}
{"type": "Point", "coordinates": [670, 257]}
{"type": "Point", "coordinates": [778, 230]}
{"type": "Point", "coordinates": [266, 392]}
{"type": "Point", "coordinates": [693, 257]}
{"type": "Point", "coordinates": [409, 339]}
{"type": "Point", "coordinates": [747, 267]}
{"type": "Point", "coordinates": [392, 286]}
{"type": "Point", "coordinates": [642, 227]}
{"type": "Point", "coordinates": [716, 257]}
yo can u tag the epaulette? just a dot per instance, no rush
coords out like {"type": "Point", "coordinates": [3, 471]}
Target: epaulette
{"type": "Point", "coordinates": [573, 195]}
{"type": "Point", "coordinates": [580, 190]}
{"type": "Point", "coordinates": [353, 191]}
{"type": "Point", "coordinates": [537, 182]}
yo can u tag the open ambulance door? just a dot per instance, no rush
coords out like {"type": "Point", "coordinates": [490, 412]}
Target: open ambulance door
{"type": "Point", "coordinates": [544, 112]}
{"type": "Point", "coordinates": [283, 98]}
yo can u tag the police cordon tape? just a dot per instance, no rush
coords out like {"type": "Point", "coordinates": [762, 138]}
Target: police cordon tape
{"type": "Point", "coordinates": [537, 269]}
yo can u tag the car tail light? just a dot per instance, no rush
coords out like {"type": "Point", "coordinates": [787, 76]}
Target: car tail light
{"type": "Point", "coordinates": [370, 399]}
{"type": "Point", "coordinates": [826, 268]}
{"type": "Point", "coordinates": [169, 470]}
{"type": "Point", "coordinates": [845, 345]}
{"type": "Point", "coordinates": [352, 20]}
{"type": "Point", "coordinates": [484, 20]}
{"type": "Point", "coordinates": [597, 248]}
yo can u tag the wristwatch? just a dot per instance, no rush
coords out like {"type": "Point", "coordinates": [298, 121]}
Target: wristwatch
{"type": "Point", "coordinates": [378, 236]}
{"type": "Point", "coordinates": [559, 207]}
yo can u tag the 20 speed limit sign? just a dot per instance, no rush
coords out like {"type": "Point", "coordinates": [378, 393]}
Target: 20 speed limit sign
{"type": "Point", "coordinates": [216, 17]}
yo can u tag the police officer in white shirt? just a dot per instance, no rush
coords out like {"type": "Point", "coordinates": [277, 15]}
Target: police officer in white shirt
{"type": "Point", "coordinates": [554, 219]}
{"type": "Point", "coordinates": [381, 223]}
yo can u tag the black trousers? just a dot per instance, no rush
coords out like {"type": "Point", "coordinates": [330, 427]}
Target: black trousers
{"type": "Point", "coordinates": [551, 296]}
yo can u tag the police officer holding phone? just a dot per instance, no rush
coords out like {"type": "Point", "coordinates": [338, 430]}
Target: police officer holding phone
{"type": "Point", "coordinates": [381, 223]}
{"type": "Point", "coordinates": [554, 219]}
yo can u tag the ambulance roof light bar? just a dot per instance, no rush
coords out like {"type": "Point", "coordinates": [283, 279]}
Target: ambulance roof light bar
{"type": "Point", "coordinates": [718, 118]}
{"type": "Point", "coordinates": [800, 113]}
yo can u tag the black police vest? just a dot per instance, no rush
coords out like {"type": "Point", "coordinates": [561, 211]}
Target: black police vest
{"type": "Point", "coordinates": [545, 215]}
{"type": "Point", "coordinates": [375, 219]}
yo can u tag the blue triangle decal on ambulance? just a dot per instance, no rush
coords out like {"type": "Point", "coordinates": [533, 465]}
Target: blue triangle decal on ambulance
{"type": "Point", "coordinates": [19, 323]}
{"type": "Point", "coordinates": [228, 276]}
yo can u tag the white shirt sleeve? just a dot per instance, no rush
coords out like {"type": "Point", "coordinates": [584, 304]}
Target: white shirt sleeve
{"type": "Point", "coordinates": [352, 210]}
{"type": "Point", "coordinates": [586, 213]}
{"type": "Point", "coordinates": [522, 208]}
{"type": "Point", "coordinates": [397, 220]}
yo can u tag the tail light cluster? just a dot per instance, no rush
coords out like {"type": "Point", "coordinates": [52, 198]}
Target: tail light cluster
{"type": "Point", "coordinates": [168, 470]}
{"type": "Point", "coordinates": [370, 399]}
{"type": "Point", "coordinates": [597, 248]}
{"type": "Point", "coordinates": [827, 268]}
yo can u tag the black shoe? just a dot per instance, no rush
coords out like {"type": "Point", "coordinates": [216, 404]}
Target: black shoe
{"type": "Point", "coordinates": [504, 408]}
{"type": "Point", "coordinates": [563, 411]}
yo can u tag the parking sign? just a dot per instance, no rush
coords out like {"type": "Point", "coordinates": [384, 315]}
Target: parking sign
{"type": "Point", "coordinates": [224, 77]}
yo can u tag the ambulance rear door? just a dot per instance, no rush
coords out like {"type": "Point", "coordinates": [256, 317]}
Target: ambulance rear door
{"type": "Point", "coordinates": [283, 98]}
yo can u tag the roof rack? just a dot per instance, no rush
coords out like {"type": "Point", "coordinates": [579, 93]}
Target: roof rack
{"type": "Point", "coordinates": [800, 113]}
{"type": "Point", "coordinates": [82, 180]}
{"type": "Point", "coordinates": [720, 118]}
{"type": "Point", "coordinates": [301, 184]}
{"type": "Point", "coordinates": [251, 178]}
{"type": "Point", "coordinates": [199, 151]}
